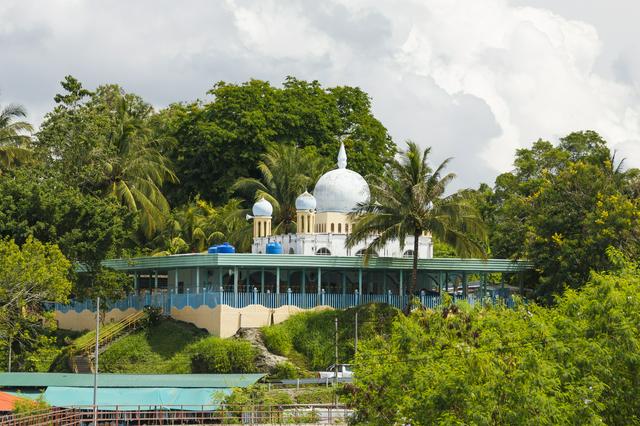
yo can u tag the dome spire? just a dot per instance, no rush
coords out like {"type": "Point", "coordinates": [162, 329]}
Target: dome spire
{"type": "Point", "coordinates": [342, 157]}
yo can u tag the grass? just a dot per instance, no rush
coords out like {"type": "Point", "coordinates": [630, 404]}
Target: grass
{"type": "Point", "coordinates": [174, 347]}
{"type": "Point", "coordinates": [307, 339]}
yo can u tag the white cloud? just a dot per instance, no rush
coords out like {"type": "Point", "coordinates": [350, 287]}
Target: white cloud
{"type": "Point", "coordinates": [474, 78]}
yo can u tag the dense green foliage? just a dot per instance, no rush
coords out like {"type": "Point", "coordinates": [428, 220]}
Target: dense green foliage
{"type": "Point", "coordinates": [307, 339]}
{"type": "Point", "coordinates": [576, 363]}
{"type": "Point", "coordinates": [30, 274]}
{"type": "Point", "coordinates": [14, 136]}
{"type": "Point", "coordinates": [562, 207]}
{"type": "Point", "coordinates": [173, 347]}
{"type": "Point", "coordinates": [222, 140]}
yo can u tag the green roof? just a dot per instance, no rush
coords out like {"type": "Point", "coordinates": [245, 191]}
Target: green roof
{"type": "Point", "coordinates": [250, 260]}
{"type": "Point", "coordinates": [43, 380]}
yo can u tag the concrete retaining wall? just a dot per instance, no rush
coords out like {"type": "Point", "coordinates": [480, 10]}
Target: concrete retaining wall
{"type": "Point", "coordinates": [221, 321]}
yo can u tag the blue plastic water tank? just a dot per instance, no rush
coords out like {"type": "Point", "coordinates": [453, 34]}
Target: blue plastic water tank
{"type": "Point", "coordinates": [212, 250]}
{"type": "Point", "coordinates": [274, 248]}
{"type": "Point", "coordinates": [226, 248]}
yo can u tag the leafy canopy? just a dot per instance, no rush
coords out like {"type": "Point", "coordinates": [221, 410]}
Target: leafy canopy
{"type": "Point", "coordinates": [575, 363]}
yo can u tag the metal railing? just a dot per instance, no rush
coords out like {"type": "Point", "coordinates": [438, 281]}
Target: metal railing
{"type": "Point", "coordinates": [185, 414]}
{"type": "Point", "coordinates": [85, 343]}
{"type": "Point", "coordinates": [210, 298]}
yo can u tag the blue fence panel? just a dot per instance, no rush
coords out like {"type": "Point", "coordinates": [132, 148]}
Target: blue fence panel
{"type": "Point", "coordinates": [213, 298]}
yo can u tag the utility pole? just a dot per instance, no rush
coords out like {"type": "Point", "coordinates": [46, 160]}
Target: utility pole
{"type": "Point", "coordinates": [335, 383]}
{"type": "Point", "coordinates": [10, 348]}
{"type": "Point", "coordinates": [355, 342]}
{"type": "Point", "coordinates": [95, 369]}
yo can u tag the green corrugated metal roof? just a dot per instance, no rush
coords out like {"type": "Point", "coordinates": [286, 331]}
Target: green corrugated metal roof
{"type": "Point", "coordinates": [134, 398]}
{"type": "Point", "coordinates": [301, 261]}
{"type": "Point", "coordinates": [43, 380]}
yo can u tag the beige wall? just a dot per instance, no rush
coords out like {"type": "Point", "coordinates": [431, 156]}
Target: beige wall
{"type": "Point", "coordinates": [221, 321]}
{"type": "Point", "coordinates": [86, 320]}
{"type": "Point", "coordinates": [325, 219]}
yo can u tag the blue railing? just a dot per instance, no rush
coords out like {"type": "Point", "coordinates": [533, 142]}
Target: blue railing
{"type": "Point", "coordinates": [209, 298]}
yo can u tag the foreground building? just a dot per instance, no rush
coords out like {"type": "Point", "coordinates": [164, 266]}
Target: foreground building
{"type": "Point", "coordinates": [223, 291]}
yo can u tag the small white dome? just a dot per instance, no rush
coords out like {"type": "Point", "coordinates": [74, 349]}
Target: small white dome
{"type": "Point", "coordinates": [262, 208]}
{"type": "Point", "coordinates": [306, 201]}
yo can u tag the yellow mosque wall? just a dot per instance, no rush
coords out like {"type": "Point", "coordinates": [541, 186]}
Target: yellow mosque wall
{"type": "Point", "coordinates": [221, 321]}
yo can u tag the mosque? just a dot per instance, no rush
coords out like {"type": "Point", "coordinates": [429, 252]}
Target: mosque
{"type": "Point", "coordinates": [223, 291]}
{"type": "Point", "coordinates": [323, 220]}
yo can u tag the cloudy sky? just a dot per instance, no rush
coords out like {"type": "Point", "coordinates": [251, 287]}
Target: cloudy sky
{"type": "Point", "coordinates": [476, 79]}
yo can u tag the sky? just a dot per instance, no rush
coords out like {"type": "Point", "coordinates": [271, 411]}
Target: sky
{"type": "Point", "coordinates": [474, 79]}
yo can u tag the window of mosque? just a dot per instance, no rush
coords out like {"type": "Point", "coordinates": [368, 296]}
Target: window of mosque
{"type": "Point", "coordinates": [323, 252]}
{"type": "Point", "coordinates": [361, 253]}
{"type": "Point", "coordinates": [346, 228]}
{"type": "Point", "coordinates": [332, 228]}
{"type": "Point", "coordinates": [292, 251]}
{"type": "Point", "coordinates": [408, 253]}
{"type": "Point", "coordinates": [302, 223]}
{"type": "Point", "coordinates": [339, 228]}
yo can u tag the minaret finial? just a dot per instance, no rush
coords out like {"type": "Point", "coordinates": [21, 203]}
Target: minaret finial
{"type": "Point", "coordinates": [342, 157]}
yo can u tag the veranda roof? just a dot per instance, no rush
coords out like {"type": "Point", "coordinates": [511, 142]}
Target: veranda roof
{"type": "Point", "coordinates": [45, 380]}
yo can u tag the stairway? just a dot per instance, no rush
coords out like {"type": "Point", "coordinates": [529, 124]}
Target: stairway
{"type": "Point", "coordinates": [81, 364]}
{"type": "Point", "coordinates": [81, 351]}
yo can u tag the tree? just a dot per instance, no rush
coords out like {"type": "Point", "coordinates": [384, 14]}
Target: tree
{"type": "Point", "coordinates": [574, 363]}
{"type": "Point", "coordinates": [562, 207]}
{"type": "Point", "coordinates": [408, 200]}
{"type": "Point", "coordinates": [29, 275]}
{"type": "Point", "coordinates": [14, 136]}
{"type": "Point", "coordinates": [195, 226]}
{"type": "Point", "coordinates": [221, 140]}
{"type": "Point", "coordinates": [137, 169]}
{"type": "Point", "coordinates": [87, 229]}
{"type": "Point", "coordinates": [105, 143]}
{"type": "Point", "coordinates": [287, 171]}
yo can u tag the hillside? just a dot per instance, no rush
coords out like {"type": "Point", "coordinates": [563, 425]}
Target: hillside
{"type": "Point", "coordinates": [177, 347]}
{"type": "Point", "coordinates": [308, 339]}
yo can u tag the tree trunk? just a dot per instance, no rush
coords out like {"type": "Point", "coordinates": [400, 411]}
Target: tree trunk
{"type": "Point", "coordinates": [414, 272]}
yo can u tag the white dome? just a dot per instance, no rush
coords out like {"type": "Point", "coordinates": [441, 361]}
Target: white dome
{"type": "Point", "coordinates": [262, 208]}
{"type": "Point", "coordinates": [340, 190]}
{"type": "Point", "coordinates": [305, 201]}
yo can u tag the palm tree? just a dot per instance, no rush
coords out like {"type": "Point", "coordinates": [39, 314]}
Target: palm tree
{"type": "Point", "coordinates": [197, 225]}
{"type": "Point", "coordinates": [408, 200]}
{"type": "Point", "coordinates": [136, 169]}
{"type": "Point", "coordinates": [287, 171]}
{"type": "Point", "coordinates": [13, 140]}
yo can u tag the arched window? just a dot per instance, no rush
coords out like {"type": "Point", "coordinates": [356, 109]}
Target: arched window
{"type": "Point", "coordinates": [332, 228]}
{"type": "Point", "coordinates": [408, 253]}
{"type": "Point", "coordinates": [302, 223]}
{"type": "Point", "coordinates": [323, 252]}
{"type": "Point", "coordinates": [346, 228]}
{"type": "Point", "coordinates": [339, 228]}
{"type": "Point", "coordinates": [292, 251]}
{"type": "Point", "coordinates": [362, 251]}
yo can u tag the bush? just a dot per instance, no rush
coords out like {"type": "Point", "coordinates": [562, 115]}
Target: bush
{"type": "Point", "coordinates": [154, 315]}
{"type": "Point", "coordinates": [215, 355]}
{"type": "Point", "coordinates": [285, 370]}
{"type": "Point", "coordinates": [27, 407]}
{"type": "Point", "coordinates": [316, 395]}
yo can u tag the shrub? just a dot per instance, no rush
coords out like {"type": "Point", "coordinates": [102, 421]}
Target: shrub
{"type": "Point", "coordinates": [27, 407]}
{"type": "Point", "coordinates": [154, 315]}
{"type": "Point", "coordinates": [285, 370]}
{"type": "Point", "coordinates": [215, 355]}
